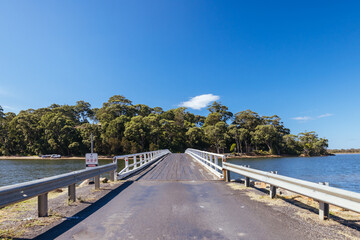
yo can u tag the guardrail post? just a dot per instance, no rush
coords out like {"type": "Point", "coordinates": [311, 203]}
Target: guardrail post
{"type": "Point", "coordinates": [227, 176]}
{"type": "Point", "coordinates": [247, 179]}
{"type": "Point", "coordinates": [71, 192]}
{"type": "Point", "coordinates": [43, 205]}
{"type": "Point", "coordinates": [247, 182]}
{"type": "Point", "coordinates": [272, 191]}
{"type": "Point", "coordinates": [97, 182]}
{"type": "Point", "coordinates": [141, 159]}
{"type": "Point", "coordinates": [323, 207]}
{"type": "Point", "coordinates": [135, 163]}
{"type": "Point", "coordinates": [113, 174]}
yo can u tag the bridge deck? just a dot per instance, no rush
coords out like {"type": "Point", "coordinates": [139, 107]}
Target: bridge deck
{"type": "Point", "coordinates": [160, 203]}
{"type": "Point", "coordinates": [175, 167]}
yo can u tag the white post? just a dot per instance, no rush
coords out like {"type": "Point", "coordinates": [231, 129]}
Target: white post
{"type": "Point", "coordinates": [127, 164]}
{"type": "Point", "coordinates": [141, 159]}
{"type": "Point", "coordinates": [135, 162]}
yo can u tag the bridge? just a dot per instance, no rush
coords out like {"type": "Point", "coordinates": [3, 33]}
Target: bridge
{"type": "Point", "coordinates": [181, 196]}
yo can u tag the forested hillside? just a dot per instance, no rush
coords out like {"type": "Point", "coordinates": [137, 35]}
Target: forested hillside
{"type": "Point", "coordinates": [122, 127]}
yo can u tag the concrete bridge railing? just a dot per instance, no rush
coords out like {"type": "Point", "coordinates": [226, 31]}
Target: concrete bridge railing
{"type": "Point", "coordinates": [211, 161]}
{"type": "Point", "coordinates": [139, 161]}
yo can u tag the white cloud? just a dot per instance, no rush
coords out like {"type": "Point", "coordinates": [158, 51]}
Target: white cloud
{"type": "Point", "coordinates": [305, 118]}
{"type": "Point", "coordinates": [325, 115]}
{"type": "Point", "coordinates": [200, 101]}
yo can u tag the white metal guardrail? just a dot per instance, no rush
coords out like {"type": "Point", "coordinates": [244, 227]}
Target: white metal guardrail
{"type": "Point", "coordinates": [209, 160]}
{"type": "Point", "coordinates": [139, 161]}
{"type": "Point", "coordinates": [41, 187]}
{"type": "Point", "coordinates": [324, 194]}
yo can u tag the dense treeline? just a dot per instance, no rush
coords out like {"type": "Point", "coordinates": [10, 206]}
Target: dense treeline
{"type": "Point", "coordinates": [122, 127]}
{"type": "Point", "coordinates": [351, 150]}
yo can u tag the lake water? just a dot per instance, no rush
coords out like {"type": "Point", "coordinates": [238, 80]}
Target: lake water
{"type": "Point", "coordinates": [17, 171]}
{"type": "Point", "coordinates": [342, 171]}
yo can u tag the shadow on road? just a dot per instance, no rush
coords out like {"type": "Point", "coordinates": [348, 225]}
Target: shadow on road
{"type": "Point", "coordinates": [80, 216]}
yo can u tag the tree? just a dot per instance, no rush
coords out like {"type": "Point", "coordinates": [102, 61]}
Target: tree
{"type": "Point", "coordinates": [216, 135]}
{"type": "Point", "coordinates": [247, 119]}
{"type": "Point", "coordinates": [2, 114]}
{"type": "Point", "coordinates": [83, 111]}
{"type": "Point", "coordinates": [311, 144]}
{"type": "Point", "coordinates": [224, 112]}
{"type": "Point", "coordinates": [240, 135]}
{"type": "Point", "coordinates": [196, 138]}
{"type": "Point", "coordinates": [291, 144]}
{"type": "Point", "coordinates": [212, 119]}
{"type": "Point", "coordinates": [265, 134]}
{"type": "Point", "coordinates": [136, 130]}
{"type": "Point", "coordinates": [115, 107]}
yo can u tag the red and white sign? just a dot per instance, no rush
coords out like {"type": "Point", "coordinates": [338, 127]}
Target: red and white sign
{"type": "Point", "coordinates": [91, 160]}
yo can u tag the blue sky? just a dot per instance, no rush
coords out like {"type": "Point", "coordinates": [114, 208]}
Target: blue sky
{"type": "Point", "coordinates": [297, 59]}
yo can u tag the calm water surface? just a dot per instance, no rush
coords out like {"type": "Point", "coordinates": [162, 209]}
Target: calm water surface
{"type": "Point", "coordinates": [342, 171]}
{"type": "Point", "coordinates": [17, 171]}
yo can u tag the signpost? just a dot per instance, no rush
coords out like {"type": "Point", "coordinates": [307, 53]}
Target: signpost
{"type": "Point", "coordinates": [91, 160]}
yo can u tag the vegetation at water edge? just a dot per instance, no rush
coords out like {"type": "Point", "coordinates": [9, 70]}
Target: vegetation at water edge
{"type": "Point", "coordinates": [120, 127]}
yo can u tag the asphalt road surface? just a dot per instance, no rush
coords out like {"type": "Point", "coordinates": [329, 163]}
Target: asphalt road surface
{"type": "Point", "coordinates": [182, 201]}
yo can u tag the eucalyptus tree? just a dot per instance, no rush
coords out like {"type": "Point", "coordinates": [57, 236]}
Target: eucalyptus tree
{"type": "Point", "coordinates": [265, 134]}
{"type": "Point", "coordinates": [83, 111]}
{"type": "Point", "coordinates": [216, 135]}
{"type": "Point", "coordinates": [136, 130]}
{"type": "Point", "coordinates": [217, 107]}
{"type": "Point", "coordinates": [240, 136]}
{"type": "Point", "coordinates": [311, 144]}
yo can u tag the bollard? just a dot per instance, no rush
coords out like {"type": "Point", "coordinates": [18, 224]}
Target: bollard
{"type": "Point", "coordinates": [272, 191]}
{"type": "Point", "coordinates": [43, 205]}
{"type": "Point", "coordinates": [247, 179]}
{"type": "Point", "coordinates": [323, 207]}
{"type": "Point", "coordinates": [247, 182]}
{"type": "Point", "coordinates": [97, 182]}
{"type": "Point", "coordinates": [71, 192]}
{"type": "Point", "coordinates": [227, 176]}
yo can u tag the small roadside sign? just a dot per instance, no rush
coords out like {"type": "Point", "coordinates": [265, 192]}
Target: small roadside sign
{"type": "Point", "coordinates": [91, 160]}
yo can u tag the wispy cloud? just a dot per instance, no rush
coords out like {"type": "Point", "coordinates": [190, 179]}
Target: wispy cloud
{"type": "Point", "coordinates": [8, 108]}
{"type": "Point", "coordinates": [325, 115]}
{"type": "Point", "coordinates": [305, 118]}
{"type": "Point", "coordinates": [200, 101]}
{"type": "Point", "coordinates": [308, 118]}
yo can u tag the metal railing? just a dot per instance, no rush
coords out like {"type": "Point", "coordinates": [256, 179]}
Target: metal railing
{"type": "Point", "coordinates": [324, 194]}
{"type": "Point", "coordinates": [139, 161]}
{"type": "Point", "coordinates": [209, 160]}
{"type": "Point", "coordinates": [23, 191]}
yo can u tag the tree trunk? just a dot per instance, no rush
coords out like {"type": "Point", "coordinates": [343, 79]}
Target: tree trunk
{"type": "Point", "coordinates": [237, 146]}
